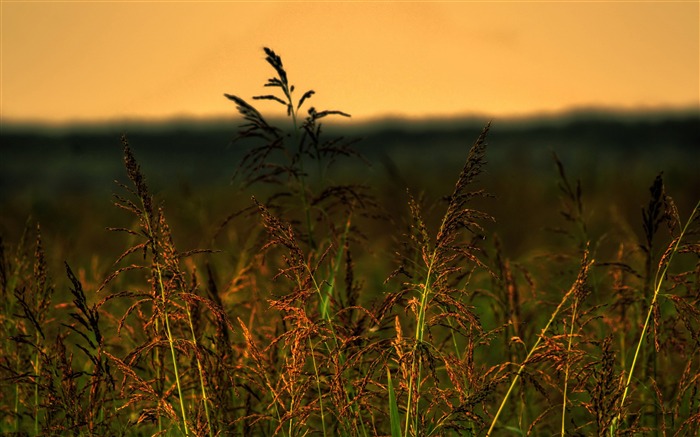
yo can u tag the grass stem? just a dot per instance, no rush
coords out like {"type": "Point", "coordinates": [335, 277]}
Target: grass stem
{"type": "Point", "coordinates": [572, 290]}
{"type": "Point", "coordinates": [659, 278]}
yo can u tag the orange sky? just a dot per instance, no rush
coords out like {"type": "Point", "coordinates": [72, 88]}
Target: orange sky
{"type": "Point", "coordinates": [91, 61]}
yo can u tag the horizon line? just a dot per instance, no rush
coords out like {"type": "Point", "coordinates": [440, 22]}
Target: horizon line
{"type": "Point", "coordinates": [194, 121]}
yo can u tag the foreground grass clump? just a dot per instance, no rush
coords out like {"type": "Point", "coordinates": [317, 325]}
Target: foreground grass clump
{"type": "Point", "coordinates": [318, 310]}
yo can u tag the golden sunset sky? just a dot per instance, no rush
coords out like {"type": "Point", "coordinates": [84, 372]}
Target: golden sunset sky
{"type": "Point", "coordinates": [84, 61]}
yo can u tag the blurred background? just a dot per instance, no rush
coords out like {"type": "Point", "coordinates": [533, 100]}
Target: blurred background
{"type": "Point", "coordinates": [611, 88]}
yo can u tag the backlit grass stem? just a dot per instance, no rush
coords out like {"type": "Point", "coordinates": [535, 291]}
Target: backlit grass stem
{"type": "Point", "coordinates": [659, 279]}
{"type": "Point", "coordinates": [580, 281]}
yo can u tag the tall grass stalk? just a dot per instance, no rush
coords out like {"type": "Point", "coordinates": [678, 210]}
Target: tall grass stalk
{"type": "Point", "coordinates": [580, 281]}
{"type": "Point", "coordinates": [439, 262]}
{"type": "Point", "coordinates": [149, 220]}
{"type": "Point", "coordinates": [568, 368]}
{"type": "Point", "coordinates": [318, 387]}
{"type": "Point", "coordinates": [659, 279]}
{"type": "Point", "coordinates": [415, 374]}
{"type": "Point", "coordinates": [200, 370]}
{"type": "Point", "coordinates": [171, 344]}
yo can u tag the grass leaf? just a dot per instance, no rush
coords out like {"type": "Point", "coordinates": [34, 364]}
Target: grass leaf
{"type": "Point", "coordinates": [394, 418]}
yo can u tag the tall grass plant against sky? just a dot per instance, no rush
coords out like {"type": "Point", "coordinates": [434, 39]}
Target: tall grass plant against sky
{"type": "Point", "coordinates": [319, 304]}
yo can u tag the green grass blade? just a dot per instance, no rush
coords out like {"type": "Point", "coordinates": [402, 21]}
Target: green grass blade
{"type": "Point", "coordinates": [393, 408]}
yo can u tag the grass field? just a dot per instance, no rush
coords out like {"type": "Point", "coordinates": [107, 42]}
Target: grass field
{"type": "Point", "coordinates": [335, 288]}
